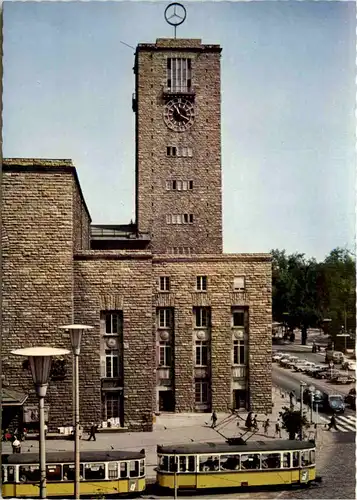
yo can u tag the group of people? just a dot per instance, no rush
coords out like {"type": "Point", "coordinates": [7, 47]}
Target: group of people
{"type": "Point", "coordinates": [251, 424]}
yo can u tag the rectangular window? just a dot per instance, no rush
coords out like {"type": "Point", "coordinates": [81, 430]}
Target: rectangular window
{"type": "Point", "coordinates": [134, 468]}
{"type": "Point", "coordinates": [185, 218]}
{"type": "Point", "coordinates": [113, 323]}
{"type": "Point", "coordinates": [168, 218]}
{"type": "Point", "coordinates": [123, 469]}
{"type": "Point", "coordinates": [201, 283]}
{"type": "Point", "coordinates": [251, 461]}
{"type": "Point", "coordinates": [238, 352]}
{"type": "Point", "coordinates": [178, 74]}
{"type": "Point", "coordinates": [112, 406]}
{"type": "Point", "coordinates": [94, 471]}
{"type": "Point", "coordinates": [174, 185]}
{"type": "Point", "coordinates": [191, 219]}
{"type": "Point", "coordinates": [165, 353]}
{"type": "Point", "coordinates": [201, 353]}
{"type": "Point", "coordinates": [184, 151]}
{"type": "Point", "coordinates": [239, 283]}
{"type": "Point", "coordinates": [179, 185]}
{"type": "Point", "coordinates": [190, 184]}
{"type": "Point", "coordinates": [238, 318]}
{"type": "Point", "coordinates": [164, 317]}
{"type": "Point", "coordinates": [189, 152]}
{"type": "Point", "coordinates": [164, 283]}
{"type": "Point", "coordinates": [286, 460]}
{"type": "Point", "coordinates": [53, 472]}
{"type": "Point", "coordinates": [111, 363]}
{"type": "Point", "coordinates": [69, 472]}
{"type": "Point", "coordinates": [168, 185]}
{"type": "Point", "coordinates": [201, 392]}
{"type": "Point", "coordinates": [113, 470]}
{"type": "Point", "coordinates": [184, 185]}
{"type": "Point", "coordinates": [270, 460]}
{"type": "Point", "coordinates": [202, 317]}
{"type": "Point", "coordinates": [171, 151]}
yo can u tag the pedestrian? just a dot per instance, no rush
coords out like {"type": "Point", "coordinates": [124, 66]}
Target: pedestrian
{"type": "Point", "coordinates": [16, 445]}
{"type": "Point", "coordinates": [291, 397]}
{"type": "Point", "coordinates": [214, 419]}
{"type": "Point", "coordinates": [46, 429]}
{"type": "Point", "coordinates": [255, 422]}
{"type": "Point", "coordinates": [92, 432]}
{"type": "Point", "coordinates": [266, 426]}
{"type": "Point", "coordinates": [249, 421]}
{"type": "Point", "coordinates": [332, 423]}
{"type": "Point", "coordinates": [277, 429]}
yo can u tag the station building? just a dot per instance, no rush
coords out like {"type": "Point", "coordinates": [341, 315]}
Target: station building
{"type": "Point", "coordinates": [179, 326]}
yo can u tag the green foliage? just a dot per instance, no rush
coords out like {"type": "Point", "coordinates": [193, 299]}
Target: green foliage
{"type": "Point", "coordinates": [305, 291]}
{"type": "Point", "coordinates": [292, 421]}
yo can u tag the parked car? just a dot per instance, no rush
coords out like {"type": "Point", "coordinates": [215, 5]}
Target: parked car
{"type": "Point", "coordinates": [277, 356]}
{"type": "Point", "coordinates": [322, 372]}
{"type": "Point", "coordinates": [350, 399]}
{"type": "Point", "coordinates": [336, 356]}
{"type": "Point", "coordinates": [284, 360]}
{"type": "Point", "coordinates": [323, 401]}
{"type": "Point", "coordinates": [349, 365]}
{"type": "Point", "coordinates": [299, 366]}
{"type": "Point", "coordinates": [291, 362]}
{"type": "Point", "coordinates": [308, 366]}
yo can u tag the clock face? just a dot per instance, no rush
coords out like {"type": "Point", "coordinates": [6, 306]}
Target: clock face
{"type": "Point", "coordinates": [179, 114]}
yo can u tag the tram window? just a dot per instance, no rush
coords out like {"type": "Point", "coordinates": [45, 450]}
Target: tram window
{"type": "Point", "coordinates": [123, 469]}
{"type": "Point", "coordinates": [142, 467]}
{"type": "Point", "coordinates": [251, 461]}
{"type": "Point", "coordinates": [191, 464]}
{"type": "Point", "coordinates": [270, 460]}
{"type": "Point", "coordinates": [9, 477]}
{"type": "Point", "coordinates": [53, 472]}
{"type": "Point", "coordinates": [296, 461]}
{"type": "Point", "coordinates": [182, 464]}
{"type": "Point", "coordinates": [134, 468]}
{"type": "Point", "coordinates": [164, 462]}
{"type": "Point", "coordinates": [209, 463]}
{"type": "Point", "coordinates": [29, 473]}
{"type": "Point", "coordinates": [94, 471]}
{"type": "Point", "coordinates": [286, 460]}
{"type": "Point", "coordinates": [229, 462]}
{"type": "Point", "coordinates": [312, 457]}
{"type": "Point", "coordinates": [171, 464]}
{"type": "Point", "coordinates": [69, 472]}
{"type": "Point", "coordinates": [113, 470]}
{"type": "Point", "coordinates": [305, 459]}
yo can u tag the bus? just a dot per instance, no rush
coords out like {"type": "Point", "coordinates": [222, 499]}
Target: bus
{"type": "Point", "coordinates": [101, 473]}
{"type": "Point", "coordinates": [222, 465]}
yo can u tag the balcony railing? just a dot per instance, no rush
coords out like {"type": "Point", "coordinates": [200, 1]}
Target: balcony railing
{"type": "Point", "coordinates": [239, 372]}
{"type": "Point", "coordinates": [179, 90]}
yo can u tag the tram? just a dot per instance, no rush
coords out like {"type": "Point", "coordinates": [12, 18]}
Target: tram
{"type": "Point", "coordinates": [222, 465]}
{"type": "Point", "coordinates": [101, 473]}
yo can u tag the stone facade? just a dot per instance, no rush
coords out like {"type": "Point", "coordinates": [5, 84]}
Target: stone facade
{"type": "Point", "coordinates": [171, 332]}
{"type": "Point", "coordinates": [155, 168]}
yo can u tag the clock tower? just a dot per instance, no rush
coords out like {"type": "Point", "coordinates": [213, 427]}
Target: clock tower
{"type": "Point", "coordinates": [178, 146]}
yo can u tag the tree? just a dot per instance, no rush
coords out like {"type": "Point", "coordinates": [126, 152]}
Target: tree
{"type": "Point", "coordinates": [340, 298]}
{"type": "Point", "coordinates": [293, 422]}
{"type": "Point", "coordinates": [296, 297]}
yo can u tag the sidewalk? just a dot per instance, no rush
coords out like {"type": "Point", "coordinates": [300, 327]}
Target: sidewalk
{"type": "Point", "coordinates": [173, 429]}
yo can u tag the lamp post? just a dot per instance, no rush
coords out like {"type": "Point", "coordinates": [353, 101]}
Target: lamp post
{"type": "Point", "coordinates": [40, 365]}
{"type": "Point", "coordinates": [302, 385]}
{"type": "Point", "coordinates": [325, 327]}
{"type": "Point", "coordinates": [76, 332]}
{"type": "Point", "coordinates": [343, 334]}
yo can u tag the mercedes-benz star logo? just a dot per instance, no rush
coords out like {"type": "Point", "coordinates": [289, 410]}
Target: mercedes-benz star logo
{"type": "Point", "coordinates": [175, 14]}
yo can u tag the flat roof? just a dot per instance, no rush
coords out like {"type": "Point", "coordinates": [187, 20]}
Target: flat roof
{"type": "Point", "coordinates": [68, 456]}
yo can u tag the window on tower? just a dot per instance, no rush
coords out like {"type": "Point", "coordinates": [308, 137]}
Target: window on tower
{"type": "Point", "coordinates": [179, 151]}
{"type": "Point", "coordinates": [178, 74]}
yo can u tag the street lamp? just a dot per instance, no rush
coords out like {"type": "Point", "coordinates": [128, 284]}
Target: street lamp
{"type": "Point", "coordinates": [302, 385]}
{"type": "Point", "coordinates": [40, 365]}
{"type": "Point", "coordinates": [76, 332]}
{"type": "Point", "coordinates": [343, 334]}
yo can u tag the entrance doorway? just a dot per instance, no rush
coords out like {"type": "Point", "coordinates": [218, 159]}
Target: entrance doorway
{"type": "Point", "coordinates": [239, 399]}
{"type": "Point", "coordinates": [166, 401]}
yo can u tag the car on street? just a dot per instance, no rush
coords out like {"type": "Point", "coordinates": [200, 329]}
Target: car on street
{"type": "Point", "coordinates": [291, 362]}
{"type": "Point", "coordinates": [336, 356]}
{"type": "Point", "coordinates": [350, 399]}
{"type": "Point", "coordinates": [335, 403]}
{"type": "Point", "coordinates": [349, 365]}
{"type": "Point", "coordinates": [308, 366]}
{"type": "Point", "coordinates": [301, 365]}
{"type": "Point", "coordinates": [277, 356]}
{"type": "Point", "coordinates": [284, 360]}
{"type": "Point", "coordinates": [322, 371]}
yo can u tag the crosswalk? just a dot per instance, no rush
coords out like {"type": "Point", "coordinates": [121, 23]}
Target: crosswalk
{"type": "Point", "coordinates": [344, 423]}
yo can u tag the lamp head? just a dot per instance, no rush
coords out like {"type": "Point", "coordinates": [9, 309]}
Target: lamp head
{"type": "Point", "coordinates": [76, 332]}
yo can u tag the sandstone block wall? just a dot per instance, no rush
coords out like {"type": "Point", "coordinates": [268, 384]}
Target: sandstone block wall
{"type": "Point", "coordinates": [115, 280]}
{"type": "Point", "coordinates": [37, 238]}
{"type": "Point", "coordinates": [153, 137]}
{"type": "Point", "coordinates": [220, 271]}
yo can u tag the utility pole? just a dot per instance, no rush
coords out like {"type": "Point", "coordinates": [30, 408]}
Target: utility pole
{"type": "Point", "coordinates": [302, 385]}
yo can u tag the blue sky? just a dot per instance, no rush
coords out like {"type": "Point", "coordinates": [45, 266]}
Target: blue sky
{"type": "Point", "coordinates": [288, 100]}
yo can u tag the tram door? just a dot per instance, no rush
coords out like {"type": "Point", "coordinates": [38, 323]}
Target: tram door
{"type": "Point", "coordinates": [239, 399]}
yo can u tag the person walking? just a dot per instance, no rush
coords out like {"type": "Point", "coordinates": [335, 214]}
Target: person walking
{"type": "Point", "coordinates": [92, 432]}
{"type": "Point", "coordinates": [16, 445]}
{"type": "Point", "coordinates": [255, 422]}
{"type": "Point", "coordinates": [291, 397]}
{"type": "Point", "coordinates": [277, 429]}
{"type": "Point", "coordinates": [332, 423]}
{"type": "Point", "coordinates": [266, 426]}
{"type": "Point", "coordinates": [249, 421]}
{"type": "Point", "coordinates": [214, 419]}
